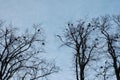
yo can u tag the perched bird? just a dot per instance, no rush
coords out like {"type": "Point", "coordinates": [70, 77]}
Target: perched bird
{"type": "Point", "coordinates": [89, 24]}
{"type": "Point", "coordinates": [71, 24]}
{"type": "Point", "coordinates": [96, 39]}
{"type": "Point", "coordinates": [15, 38]}
{"type": "Point", "coordinates": [68, 24]}
{"type": "Point", "coordinates": [24, 37]}
{"type": "Point", "coordinates": [38, 30]}
{"type": "Point", "coordinates": [101, 67]}
{"type": "Point", "coordinates": [43, 43]}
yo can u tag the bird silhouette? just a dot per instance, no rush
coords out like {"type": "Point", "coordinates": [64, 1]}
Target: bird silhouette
{"type": "Point", "coordinates": [89, 24]}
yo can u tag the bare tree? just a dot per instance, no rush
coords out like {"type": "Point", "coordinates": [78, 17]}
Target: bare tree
{"type": "Point", "coordinates": [78, 38]}
{"type": "Point", "coordinates": [107, 26]}
{"type": "Point", "coordinates": [20, 58]}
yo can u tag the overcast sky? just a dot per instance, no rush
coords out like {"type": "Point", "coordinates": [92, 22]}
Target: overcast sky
{"type": "Point", "coordinates": [53, 15]}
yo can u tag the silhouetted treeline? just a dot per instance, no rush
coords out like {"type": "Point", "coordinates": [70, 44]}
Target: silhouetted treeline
{"type": "Point", "coordinates": [94, 40]}
{"type": "Point", "coordinates": [20, 57]}
{"type": "Point", "coordinates": [95, 43]}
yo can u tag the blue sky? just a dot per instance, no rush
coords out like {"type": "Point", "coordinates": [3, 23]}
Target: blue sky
{"type": "Point", "coordinates": [54, 15]}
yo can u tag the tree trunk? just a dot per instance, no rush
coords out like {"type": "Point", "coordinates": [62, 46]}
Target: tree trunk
{"type": "Point", "coordinates": [76, 64]}
{"type": "Point", "coordinates": [82, 73]}
{"type": "Point", "coordinates": [117, 72]}
{"type": "Point", "coordinates": [0, 75]}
